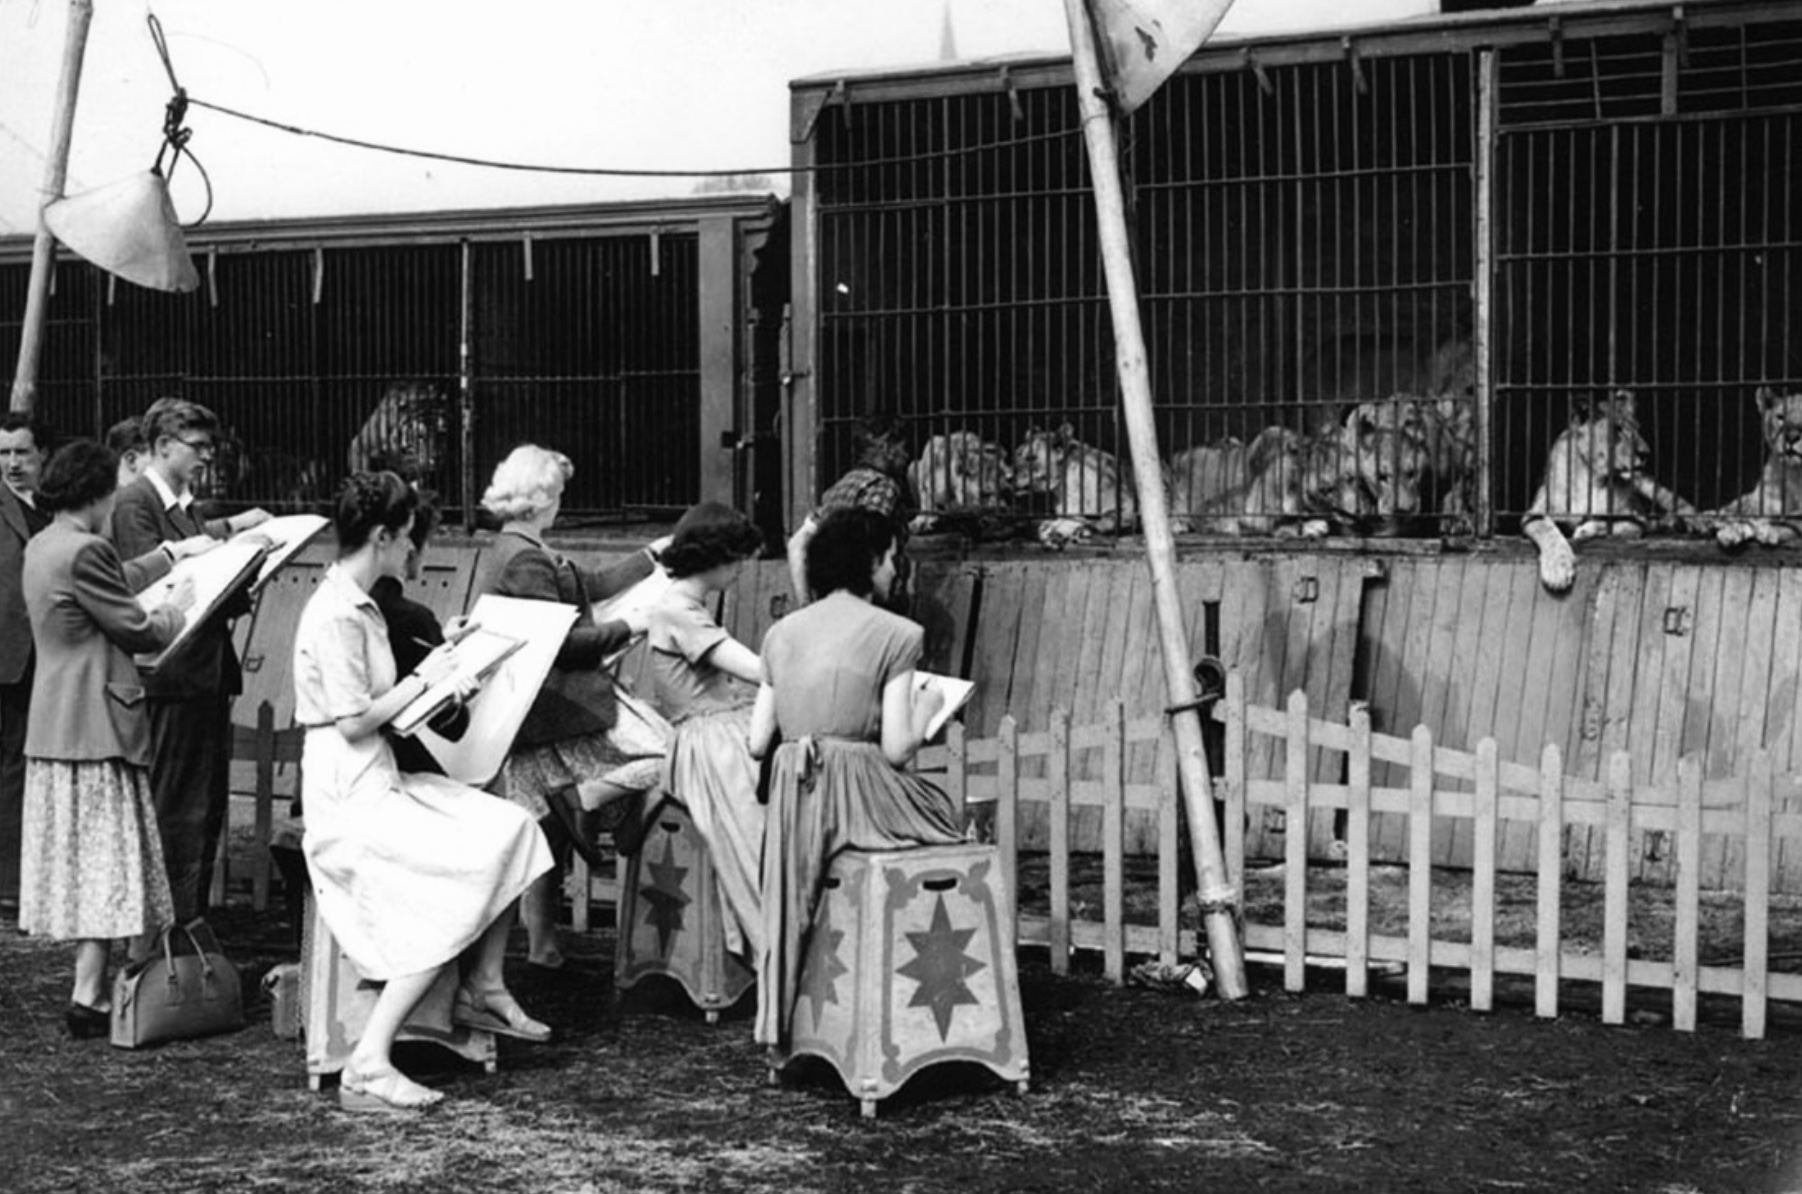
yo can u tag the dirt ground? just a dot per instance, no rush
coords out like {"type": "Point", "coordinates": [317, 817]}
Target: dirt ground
{"type": "Point", "coordinates": [1132, 1090]}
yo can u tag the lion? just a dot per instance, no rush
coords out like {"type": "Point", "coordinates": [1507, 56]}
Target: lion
{"type": "Point", "coordinates": [1771, 512]}
{"type": "Point", "coordinates": [407, 432]}
{"type": "Point", "coordinates": [1422, 452]}
{"type": "Point", "coordinates": [959, 474]}
{"type": "Point", "coordinates": [1090, 490]}
{"type": "Point", "coordinates": [1209, 483]}
{"type": "Point", "coordinates": [1371, 474]}
{"type": "Point", "coordinates": [1595, 481]}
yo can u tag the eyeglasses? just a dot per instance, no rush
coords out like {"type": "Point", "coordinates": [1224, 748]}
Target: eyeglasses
{"type": "Point", "coordinates": [204, 447]}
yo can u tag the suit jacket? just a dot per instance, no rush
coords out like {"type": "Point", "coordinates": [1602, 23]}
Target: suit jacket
{"type": "Point", "coordinates": [577, 698]}
{"type": "Point", "coordinates": [86, 623]}
{"type": "Point", "coordinates": [15, 628]}
{"type": "Point", "coordinates": [206, 664]}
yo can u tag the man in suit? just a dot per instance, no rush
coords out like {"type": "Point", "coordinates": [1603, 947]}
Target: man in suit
{"type": "Point", "coordinates": [190, 693]}
{"type": "Point", "coordinates": [23, 449]}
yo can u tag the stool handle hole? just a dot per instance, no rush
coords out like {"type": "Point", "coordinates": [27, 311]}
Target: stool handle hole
{"type": "Point", "coordinates": [832, 882]}
{"type": "Point", "coordinates": [672, 826]}
{"type": "Point", "coordinates": [944, 883]}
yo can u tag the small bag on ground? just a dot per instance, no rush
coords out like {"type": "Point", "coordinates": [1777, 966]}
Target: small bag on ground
{"type": "Point", "coordinates": [185, 988]}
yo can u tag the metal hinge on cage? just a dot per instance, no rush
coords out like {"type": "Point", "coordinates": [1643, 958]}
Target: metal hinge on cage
{"type": "Point", "coordinates": [1013, 94]}
{"type": "Point", "coordinates": [1251, 63]}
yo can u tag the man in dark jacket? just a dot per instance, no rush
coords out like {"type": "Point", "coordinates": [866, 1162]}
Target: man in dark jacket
{"type": "Point", "coordinates": [23, 447]}
{"type": "Point", "coordinates": [190, 693]}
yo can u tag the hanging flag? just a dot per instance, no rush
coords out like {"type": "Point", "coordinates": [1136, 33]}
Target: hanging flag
{"type": "Point", "coordinates": [1142, 42]}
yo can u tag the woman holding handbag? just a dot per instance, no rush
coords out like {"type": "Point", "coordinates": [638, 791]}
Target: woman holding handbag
{"type": "Point", "coordinates": [92, 862]}
{"type": "Point", "coordinates": [410, 871]}
{"type": "Point", "coordinates": [583, 745]}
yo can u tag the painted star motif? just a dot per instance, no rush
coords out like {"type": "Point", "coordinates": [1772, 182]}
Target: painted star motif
{"type": "Point", "coordinates": [820, 985]}
{"type": "Point", "coordinates": [665, 898]}
{"type": "Point", "coordinates": [940, 967]}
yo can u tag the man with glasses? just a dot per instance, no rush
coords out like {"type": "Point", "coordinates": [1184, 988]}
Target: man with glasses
{"type": "Point", "coordinates": [189, 696]}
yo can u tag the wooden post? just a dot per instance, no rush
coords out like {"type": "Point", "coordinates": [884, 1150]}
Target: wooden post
{"type": "Point", "coordinates": [1217, 898]}
{"type": "Point", "coordinates": [56, 172]}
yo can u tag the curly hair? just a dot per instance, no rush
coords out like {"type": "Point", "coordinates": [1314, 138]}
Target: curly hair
{"type": "Point", "coordinates": [709, 535]}
{"type": "Point", "coordinates": [81, 473]}
{"type": "Point", "coordinates": [527, 481]}
{"type": "Point", "coordinates": [844, 552]}
{"type": "Point", "coordinates": [367, 501]}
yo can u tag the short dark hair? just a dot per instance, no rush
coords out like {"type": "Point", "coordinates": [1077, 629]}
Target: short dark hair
{"type": "Point", "coordinates": [881, 444]}
{"type": "Point", "coordinates": [80, 473]}
{"type": "Point", "coordinates": [844, 551]}
{"type": "Point", "coordinates": [426, 516]}
{"type": "Point", "coordinates": [127, 435]}
{"type": "Point", "coordinates": [709, 535]}
{"type": "Point", "coordinates": [367, 501]}
{"type": "Point", "coordinates": [172, 416]}
{"type": "Point", "coordinates": [18, 420]}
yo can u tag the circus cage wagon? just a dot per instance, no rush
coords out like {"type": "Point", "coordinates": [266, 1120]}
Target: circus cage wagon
{"type": "Point", "coordinates": [1382, 271]}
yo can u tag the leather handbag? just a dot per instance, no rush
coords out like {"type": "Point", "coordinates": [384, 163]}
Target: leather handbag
{"type": "Point", "coordinates": [185, 988]}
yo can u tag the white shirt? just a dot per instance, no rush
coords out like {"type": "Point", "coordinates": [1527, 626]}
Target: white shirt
{"type": "Point", "coordinates": [169, 496]}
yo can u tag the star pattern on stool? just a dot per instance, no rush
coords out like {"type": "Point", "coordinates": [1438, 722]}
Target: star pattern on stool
{"type": "Point", "coordinates": [665, 898]}
{"type": "Point", "coordinates": [819, 986]}
{"type": "Point", "coordinates": [940, 967]}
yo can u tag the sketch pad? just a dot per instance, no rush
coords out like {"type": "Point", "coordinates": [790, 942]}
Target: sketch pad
{"type": "Point", "coordinates": [499, 709]}
{"type": "Point", "coordinates": [217, 575]}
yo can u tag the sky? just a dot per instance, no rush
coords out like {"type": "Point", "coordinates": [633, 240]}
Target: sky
{"type": "Point", "coordinates": [657, 84]}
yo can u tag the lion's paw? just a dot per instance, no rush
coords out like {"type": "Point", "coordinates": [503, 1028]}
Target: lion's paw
{"type": "Point", "coordinates": [1557, 566]}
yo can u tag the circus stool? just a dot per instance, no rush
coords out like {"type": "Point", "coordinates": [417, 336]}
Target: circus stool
{"type": "Point", "coordinates": [338, 1001]}
{"type": "Point", "coordinates": [910, 962]}
{"type": "Point", "coordinates": [670, 918]}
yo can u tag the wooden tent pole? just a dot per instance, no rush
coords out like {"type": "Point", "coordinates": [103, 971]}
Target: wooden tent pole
{"type": "Point", "coordinates": [56, 171]}
{"type": "Point", "coordinates": [1218, 900]}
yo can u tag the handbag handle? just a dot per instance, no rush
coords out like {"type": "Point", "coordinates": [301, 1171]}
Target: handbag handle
{"type": "Point", "coordinates": [206, 966]}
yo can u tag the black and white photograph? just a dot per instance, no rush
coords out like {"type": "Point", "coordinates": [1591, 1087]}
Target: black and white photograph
{"type": "Point", "coordinates": [946, 596]}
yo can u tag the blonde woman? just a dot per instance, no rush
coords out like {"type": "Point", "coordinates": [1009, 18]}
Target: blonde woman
{"type": "Point", "coordinates": [574, 750]}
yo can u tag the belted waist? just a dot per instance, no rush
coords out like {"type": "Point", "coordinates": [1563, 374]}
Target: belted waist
{"type": "Point", "coordinates": [811, 747]}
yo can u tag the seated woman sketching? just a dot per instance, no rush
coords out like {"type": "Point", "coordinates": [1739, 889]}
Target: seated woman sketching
{"type": "Point", "coordinates": [410, 871]}
{"type": "Point", "coordinates": [838, 692]}
{"type": "Point", "coordinates": [696, 670]}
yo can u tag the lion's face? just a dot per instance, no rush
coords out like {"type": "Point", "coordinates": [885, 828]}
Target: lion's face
{"type": "Point", "coordinates": [1039, 460]}
{"type": "Point", "coordinates": [1782, 418]}
{"type": "Point", "coordinates": [1610, 443]}
{"type": "Point", "coordinates": [1388, 454]}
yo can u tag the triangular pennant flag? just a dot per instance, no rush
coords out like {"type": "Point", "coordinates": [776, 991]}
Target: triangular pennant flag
{"type": "Point", "coordinates": [1142, 42]}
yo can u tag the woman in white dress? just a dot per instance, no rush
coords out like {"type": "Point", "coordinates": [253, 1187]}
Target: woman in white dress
{"type": "Point", "coordinates": [409, 870]}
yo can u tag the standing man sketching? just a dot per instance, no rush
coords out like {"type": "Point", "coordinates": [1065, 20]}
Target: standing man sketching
{"type": "Point", "coordinates": [190, 693]}
{"type": "Point", "coordinates": [22, 453]}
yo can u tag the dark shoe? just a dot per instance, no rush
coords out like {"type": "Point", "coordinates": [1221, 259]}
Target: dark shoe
{"type": "Point", "coordinates": [86, 1023]}
{"type": "Point", "coordinates": [576, 826]}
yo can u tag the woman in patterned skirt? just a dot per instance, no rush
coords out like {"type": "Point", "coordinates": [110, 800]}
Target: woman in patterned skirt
{"type": "Point", "coordinates": [703, 677]}
{"type": "Point", "coordinates": [578, 748]}
{"type": "Point", "coordinates": [838, 692]}
{"type": "Point", "coordinates": [92, 861]}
